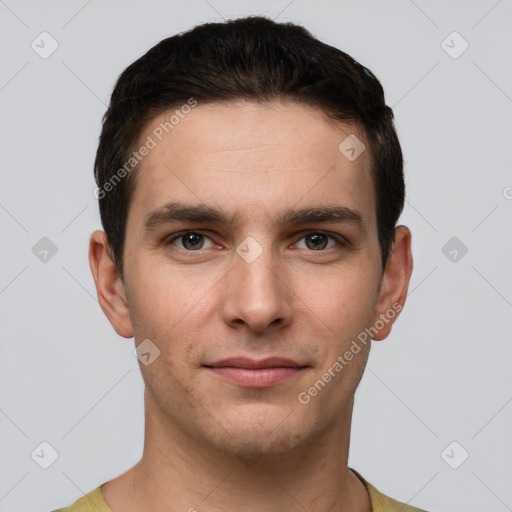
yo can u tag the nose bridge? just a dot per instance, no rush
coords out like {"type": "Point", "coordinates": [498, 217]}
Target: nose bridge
{"type": "Point", "coordinates": [256, 293]}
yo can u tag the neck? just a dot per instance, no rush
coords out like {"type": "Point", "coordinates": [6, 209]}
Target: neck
{"type": "Point", "coordinates": [181, 472]}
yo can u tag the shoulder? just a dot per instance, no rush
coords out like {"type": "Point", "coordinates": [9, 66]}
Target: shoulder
{"type": "Point", "coordinates": [382, 503]}
{"type": "Point", "coordinates": [91, 502]}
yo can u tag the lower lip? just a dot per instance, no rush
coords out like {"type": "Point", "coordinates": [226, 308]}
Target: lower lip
{"type": "Point", "coordinates": [256, 377]}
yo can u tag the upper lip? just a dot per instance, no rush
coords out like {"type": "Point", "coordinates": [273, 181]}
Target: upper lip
{"type": "Point", "coordinates": [246, 362]}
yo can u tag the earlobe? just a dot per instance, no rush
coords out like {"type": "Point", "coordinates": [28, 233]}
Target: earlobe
{"type": "Point", "coordinates": [109, 288]}
{"type": "Point", "coordinates": [395, 283]}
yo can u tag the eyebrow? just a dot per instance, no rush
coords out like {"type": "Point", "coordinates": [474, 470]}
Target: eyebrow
{"type": "Point", "coordinates": [203, 214]}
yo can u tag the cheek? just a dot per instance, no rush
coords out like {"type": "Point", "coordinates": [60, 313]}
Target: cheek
{"type": "Point", "coordinates": [151, 307]}
{"type": "Point", "coordinates": [342, 302]}
{"type": "Point", "coordinates": [174, 311]}
{"type": "Point", "coordinates": [160, 292]}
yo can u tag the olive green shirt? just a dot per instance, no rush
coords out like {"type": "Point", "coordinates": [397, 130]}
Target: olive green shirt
{"type": "Point", "coordinates": [94, 502]}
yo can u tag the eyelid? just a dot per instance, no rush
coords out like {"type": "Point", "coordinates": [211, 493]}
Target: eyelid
{"type": "Point", "coordinates": [340, 239]}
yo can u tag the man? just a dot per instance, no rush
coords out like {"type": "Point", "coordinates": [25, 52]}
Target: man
{"type": "Point", "coordinates": [249, 181]}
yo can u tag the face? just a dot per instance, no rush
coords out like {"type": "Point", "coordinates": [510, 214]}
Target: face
{"type": "Point", "coordinates": [252, 264]}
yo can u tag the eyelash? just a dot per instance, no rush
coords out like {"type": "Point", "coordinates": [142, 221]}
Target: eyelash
{"type": "Point", "coordinates": [340, 240]}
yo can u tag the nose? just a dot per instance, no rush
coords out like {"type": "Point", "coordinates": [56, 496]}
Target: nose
{"type": "Point", "coordinates": [257, 294]}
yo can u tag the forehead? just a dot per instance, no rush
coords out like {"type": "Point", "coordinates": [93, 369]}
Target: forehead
{"type": "Point", "coordinates": [253, 158]}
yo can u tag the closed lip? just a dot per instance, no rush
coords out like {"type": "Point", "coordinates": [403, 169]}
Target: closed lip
{"type": "Point", "coordinates": [245, 362]}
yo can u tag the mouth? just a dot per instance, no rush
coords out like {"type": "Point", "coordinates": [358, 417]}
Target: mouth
{"type": "Point", "coordinates": [252, 373]}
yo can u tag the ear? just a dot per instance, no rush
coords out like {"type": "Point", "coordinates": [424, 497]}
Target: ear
{"type": "Point", "coordinates": [394, 284]}
{"type": "Point", "coordinates": [109, 288]}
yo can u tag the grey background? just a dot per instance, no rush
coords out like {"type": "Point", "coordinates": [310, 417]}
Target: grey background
{"type": "Point", "coordinates": [443, 375]}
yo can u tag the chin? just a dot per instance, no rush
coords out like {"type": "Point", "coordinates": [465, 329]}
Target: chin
{"type": "Point", "coordinates": [261, 444]}
{"type": "Point", "coordinates": [260, 431]}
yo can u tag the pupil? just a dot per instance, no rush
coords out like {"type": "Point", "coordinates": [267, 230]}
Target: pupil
{"type": "Point", "coordinates": [193, 239]}
{"type": "Point", "coordinates": [317, 240]}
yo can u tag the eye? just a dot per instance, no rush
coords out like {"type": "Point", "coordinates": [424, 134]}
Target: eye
{"type": "Point", "coordinates": [190, 240]}
{"type": "Point", "coordinates": [318, 240]}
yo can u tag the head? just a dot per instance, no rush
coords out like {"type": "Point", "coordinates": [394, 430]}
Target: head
{"type": "Point", "coordinates": [278, 157]}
